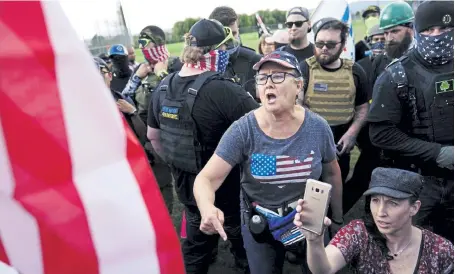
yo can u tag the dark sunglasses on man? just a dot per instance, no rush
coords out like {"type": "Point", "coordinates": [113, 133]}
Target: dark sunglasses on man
{"type": "Point", "coordinates": [328, 44]}
{"type": "Point", "coordinates": [298, 24]}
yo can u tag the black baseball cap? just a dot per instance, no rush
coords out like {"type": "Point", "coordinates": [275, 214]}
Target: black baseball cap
{"type": "Point", "coordinates": [434, 14]}
{"type": "Point", "coordinates": [320, 23]}
{"type": "Point", "coordinates": [371, 9]}
{"type": "Point", "coordinates": [207, 32]}
{"type": "Point", "coordinates": [300, 11]}
{"type": "Point", "coordinates": [395, 183]}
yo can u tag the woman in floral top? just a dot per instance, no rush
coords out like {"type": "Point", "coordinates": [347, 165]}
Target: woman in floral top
{"type": "Point", "coordinates": [384, 241]}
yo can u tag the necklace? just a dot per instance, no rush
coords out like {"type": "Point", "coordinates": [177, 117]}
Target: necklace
{"type": "Point", "coordinates": [400, 251]}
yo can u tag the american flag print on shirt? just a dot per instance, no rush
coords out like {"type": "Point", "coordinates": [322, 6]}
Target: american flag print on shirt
{"type": "Point", "coordinates": [270, 169]}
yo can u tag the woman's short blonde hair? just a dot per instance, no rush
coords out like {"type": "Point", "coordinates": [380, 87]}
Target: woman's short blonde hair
{"type": "Point", "coordinates": [262, 41]}
{"type": "Point", "coordinates": [192, 54]}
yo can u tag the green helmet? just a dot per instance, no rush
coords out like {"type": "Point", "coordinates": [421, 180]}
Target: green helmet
{"type": "Point", "coordinates": [395, 14]}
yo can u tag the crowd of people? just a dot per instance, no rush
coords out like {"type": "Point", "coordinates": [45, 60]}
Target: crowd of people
{"type": "Point", "coordinates": [237, 134]}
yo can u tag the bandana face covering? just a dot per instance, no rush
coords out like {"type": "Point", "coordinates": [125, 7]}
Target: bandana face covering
{"type": "Point", "coordinates": [436, 50]}
{"type": "Point", "coordinates": [377, 48]}
{"type": "Point", "coordinates": [214, 60]}
{"type": "Point", "coordinates": [155, 54]}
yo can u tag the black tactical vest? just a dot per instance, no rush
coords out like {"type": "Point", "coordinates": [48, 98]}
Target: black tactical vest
{"type": "Point", "coordinates": [427, 100]}
{"type": "Point", "coordinates": [179, 136]}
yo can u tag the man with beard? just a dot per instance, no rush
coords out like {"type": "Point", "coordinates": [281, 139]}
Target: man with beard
{"type": "Point", "coordinates": [132, 58]}
{"type": "Point", "coordinates": [121, 71]}
{"type": "Point", "coordinates": [396, 21]}
{"type": "Point", "coordinates": [241, 58]}
{"type": "Point", "coordinates": [298, 24]}
{"type": "Point", "coordinates": [335, 88]}
{"type": "Point", "coordinates": [411, 115]}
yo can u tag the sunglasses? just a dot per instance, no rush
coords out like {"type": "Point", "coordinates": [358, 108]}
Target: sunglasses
{"type": "Point", "coordinates": [229, 41]}
{"type": "Point", "coordinates": [298, 24]}
{"type": "Point", "coordinates": [143, 42]}
{"type": "Point", "coordinates": [329, 44]}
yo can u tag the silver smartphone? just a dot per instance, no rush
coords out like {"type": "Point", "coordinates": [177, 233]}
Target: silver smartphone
{"type": "Point", "coordinates": [317, 199]}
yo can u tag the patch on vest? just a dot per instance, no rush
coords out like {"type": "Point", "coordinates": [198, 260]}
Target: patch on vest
{"type": "Point", "coordinates": [170, 112]}
{"type": "Point", "coordinates": [320, 87]}
{"type": "Point", "coordinates": [444, 86]}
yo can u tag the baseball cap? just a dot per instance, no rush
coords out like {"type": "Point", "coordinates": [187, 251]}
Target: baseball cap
{"type": "Point", "coordinates": [300, 11]}
{"type": "Point", "coordinates": [395, 183]}
{"type": "Point", "coordinates": [279, 36]}
{"type": "Point", "coordinates": [320, 23]}
{"type": "Point", "coordinates": [207, 32]}
{"type": "Point", "coordinates": [374, 30]}
{"type": "Point", "coordinates": [434, 13]}
{"type": "Point", "coordinates": [371, 9]}
{"type": "Point", "coordinates": [282, 58]}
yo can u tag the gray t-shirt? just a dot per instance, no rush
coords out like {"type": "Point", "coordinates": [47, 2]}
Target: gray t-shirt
{"type": "Point", "coordinates": [274, 171]}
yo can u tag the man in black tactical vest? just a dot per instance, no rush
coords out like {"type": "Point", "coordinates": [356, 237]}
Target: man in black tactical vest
{"type": "Point", "coordinates": [241, 58]}
{"type": "Point", "coordinates": [335, 88]}
{"type": "Point", "coordinates": [411, 115]}
{"type": "Point", "coordinates": [188, 114]}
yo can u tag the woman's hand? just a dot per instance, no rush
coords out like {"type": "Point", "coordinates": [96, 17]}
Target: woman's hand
{"type": "Point", "coordinates": [300, 218]}
{"type": "Point", "coordinates": [212, 220]}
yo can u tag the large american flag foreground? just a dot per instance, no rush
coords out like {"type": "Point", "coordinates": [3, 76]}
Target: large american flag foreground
{"type": "Point", "coordinates": [76, 192]}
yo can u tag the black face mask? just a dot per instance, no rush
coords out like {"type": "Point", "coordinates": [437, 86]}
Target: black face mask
{"type": "Point", "coordinates": [120, 66]}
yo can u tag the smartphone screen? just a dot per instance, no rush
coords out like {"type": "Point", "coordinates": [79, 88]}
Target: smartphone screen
{"type": "Point", "coordinates": [317, 198]}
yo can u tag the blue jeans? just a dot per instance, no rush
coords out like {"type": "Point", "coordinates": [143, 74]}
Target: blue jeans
{"type": "Point", "coordinates": [268, 257]}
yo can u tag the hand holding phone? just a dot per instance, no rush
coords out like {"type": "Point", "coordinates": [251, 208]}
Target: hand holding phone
{"type": "Point", "coordinates": [312, 210]}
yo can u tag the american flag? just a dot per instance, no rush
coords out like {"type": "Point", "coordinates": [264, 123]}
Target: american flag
{"type": "Point", "coordinates": [271, 169]}
{"type": "Point", "coordinates": [211, 61]}
{"type": "Point", "coordinates": [76, 191]}
{"type": "Point", "coordinates": [157, 53]}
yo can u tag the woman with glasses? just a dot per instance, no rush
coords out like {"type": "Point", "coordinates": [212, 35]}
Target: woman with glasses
{"type": "Point", "coordinates": [279, 146]}
{"type": "Point", "coordinates": [187, 117]}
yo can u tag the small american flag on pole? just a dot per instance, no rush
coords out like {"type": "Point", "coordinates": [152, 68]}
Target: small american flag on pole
{"type": "Point", "coordinates": [77, 195]}
{"type": "Point", "coordinates": [270, 169]}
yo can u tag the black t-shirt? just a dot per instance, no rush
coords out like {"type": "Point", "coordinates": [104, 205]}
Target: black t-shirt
{"type": "Point", "coordinates": [360, 81]}
{"type": "Point", "coordinates": [360, 49]}
{"type": "Point", "coordinates": [219, 103]}
{"type": "Point", "coordinates": [387, 127]}
{"type": "Point", "coordinates": [301, 54]}
{"type": "Point", "coordinates": [367, 65]}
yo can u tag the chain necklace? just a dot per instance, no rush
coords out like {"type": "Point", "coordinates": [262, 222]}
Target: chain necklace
{"type": "Point", "coordinates": [400, 251]}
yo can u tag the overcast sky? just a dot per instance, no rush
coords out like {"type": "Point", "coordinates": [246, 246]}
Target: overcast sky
{"type": "Point", "coordinates": [88, 16]}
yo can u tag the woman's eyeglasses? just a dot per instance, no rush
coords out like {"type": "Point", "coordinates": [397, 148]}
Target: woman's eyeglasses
{"type": "Point", "coordinates": [298, 24]}
{"type": "Point", "coordinates": [329, 44]}
{"type": "Point", "coordinates": [277, 77]}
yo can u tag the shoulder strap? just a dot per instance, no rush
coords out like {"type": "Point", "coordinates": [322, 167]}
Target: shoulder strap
{"type": "Point", "coordinates": [162, 90]}
{"type": "Point", "coordinates": [196, 86]}
{"type": "Point", "coordinates": [311, 62]}
{"type": "Point", "coordinates": [405, 94]}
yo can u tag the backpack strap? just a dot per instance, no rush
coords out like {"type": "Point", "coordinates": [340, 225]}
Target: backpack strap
{"type": "Point", "coordinates": [193, 91]}
{"type": "Point", "coordinates": [162, 91]}
{"type": "Point", "coordinates": [406, 95]}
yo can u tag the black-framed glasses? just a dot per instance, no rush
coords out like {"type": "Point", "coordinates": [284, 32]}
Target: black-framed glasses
{"type": "Point", "coordinates": [276, 77]}
{"type": "Point", "coordinates": [298, 24]}
{"type": "Point", "coordinates": [328, 44]}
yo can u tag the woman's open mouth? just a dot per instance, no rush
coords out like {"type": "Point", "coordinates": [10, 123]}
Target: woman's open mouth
{"type": "Point", "coordinates": [271, 98]}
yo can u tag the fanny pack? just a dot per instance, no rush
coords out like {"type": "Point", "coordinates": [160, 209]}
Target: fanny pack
{"type": "Point", "coordinates": [265, 224]}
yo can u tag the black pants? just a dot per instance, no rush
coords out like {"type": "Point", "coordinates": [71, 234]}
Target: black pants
{"type": "Point", "coordinates": [344, 159]}
{"type": "Point", "coordinates": [368, 160]}
{"type": "Point", "coordinates": [197, 247]}
{"type": "Point", "coordinates": [436, 211]}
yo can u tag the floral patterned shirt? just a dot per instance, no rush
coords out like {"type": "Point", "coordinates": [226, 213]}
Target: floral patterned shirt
{"type": "Point", "coordinates": [359, 249]}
